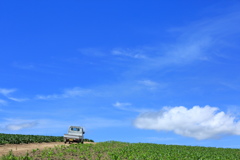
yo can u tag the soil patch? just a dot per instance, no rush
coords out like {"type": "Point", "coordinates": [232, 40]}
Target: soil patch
{"type": "Point", "coordinates": [20, 149]}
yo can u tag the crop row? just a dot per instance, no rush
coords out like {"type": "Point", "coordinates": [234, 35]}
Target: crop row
{"type": "Point", "coordinates": [128, 151]}
{"type": "Point", "coordinates": [18, 138]}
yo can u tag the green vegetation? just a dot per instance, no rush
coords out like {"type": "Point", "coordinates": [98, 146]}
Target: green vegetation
{"type": "Point", "coordinates": [18, 138]}
{"type": "Point", "coordinates": [128, 151]}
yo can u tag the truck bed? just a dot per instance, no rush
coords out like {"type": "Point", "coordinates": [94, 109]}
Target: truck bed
{"type": "Point", "coordinates": [71, 136]}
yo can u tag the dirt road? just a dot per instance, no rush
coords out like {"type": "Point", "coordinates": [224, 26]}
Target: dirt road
{"type": "Point", "coordinates": [19, 149]}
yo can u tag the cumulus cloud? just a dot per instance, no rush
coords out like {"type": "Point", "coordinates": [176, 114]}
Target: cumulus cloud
{"type": "Point", "coordinates": [198, 122]}
{"type": "Point", "coordinates": [68, 93]}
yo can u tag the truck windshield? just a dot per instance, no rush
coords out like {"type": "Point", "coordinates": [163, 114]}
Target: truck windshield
{"type": "Point", "coordinates": [75, 129]}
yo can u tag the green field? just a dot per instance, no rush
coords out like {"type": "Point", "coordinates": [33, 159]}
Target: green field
{"type": "Point", "coordinates": [128, 151]}
{"type": "Point", "coordinates": [18, 138]}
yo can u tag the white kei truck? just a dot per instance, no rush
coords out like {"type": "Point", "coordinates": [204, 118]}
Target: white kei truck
{"type": "Point", "coordinates": [75, 134]}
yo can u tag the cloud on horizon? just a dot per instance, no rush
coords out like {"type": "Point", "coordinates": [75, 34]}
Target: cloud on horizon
{"type": "Point", "coordinates": [197, 122]}
{"type": "Point", "coordinates": [15, 127]}
{"type": "Point", "coordinates": [17, 124]}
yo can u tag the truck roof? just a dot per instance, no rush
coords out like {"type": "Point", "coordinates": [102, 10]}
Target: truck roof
{"type": "Point", "coordinates": [75, 127]}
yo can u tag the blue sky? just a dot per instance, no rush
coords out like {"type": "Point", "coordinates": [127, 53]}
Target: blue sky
{"type": "Point", "coordinates": [133, 71]}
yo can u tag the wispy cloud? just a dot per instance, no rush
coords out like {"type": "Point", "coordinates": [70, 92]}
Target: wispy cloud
{"type": "Point", "coordinates": [18, 99]}
{"type": "Point", "coordinates": [122, 106]}
{"type": "Point", "coordinates": [92, 52]}
{"type": "Point", "coordinates": [68, 93]}
{"type": "Point", "coordinates": [199, 41]}
{"type": "Point", "coordinates": [198, 122]}
{"type": "Point", "coordinates": [231, 85]}
{"type": "Point", "coordinates": [3, 102]}
{"type": "Point", "coordinates": [148, 83]}
{"type": "Point", "coordinates": [128, 107]}
{"type": "Point", "coordinates": [133, 53]}
{"type": "Point", "coordinates": [17, 124]}
{"type": "Point", "coordinates": [41, 126]}
{"type": "Point", "coordinates": [191, 43]}
{"type": "Point", "coordinates": [23, 66]}
{"type": "Point", "coordinates": [20, 126]}
{"type": "Point", "coordinates": [6, 92]}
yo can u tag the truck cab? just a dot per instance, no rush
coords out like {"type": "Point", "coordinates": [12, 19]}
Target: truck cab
{"type": "Point", "coordinates": [75, 134]}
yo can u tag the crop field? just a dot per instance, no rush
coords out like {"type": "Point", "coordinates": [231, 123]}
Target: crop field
{"type": "Point", "coordinates": [113, 150]}
{"type": "Point", "coordinates": [18, 139]}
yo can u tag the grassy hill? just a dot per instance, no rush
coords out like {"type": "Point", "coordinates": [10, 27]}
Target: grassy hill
{"type": "Point", "coordinates": [113, 150]}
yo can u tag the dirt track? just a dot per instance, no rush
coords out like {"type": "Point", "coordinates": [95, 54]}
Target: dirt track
{"type": "Point", "coordinates": [19, 149]}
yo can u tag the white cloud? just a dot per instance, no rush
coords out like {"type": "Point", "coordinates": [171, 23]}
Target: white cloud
{"type": "Point", "coordinates": [68, 93]}
{"type": "Point", "coordinates": [198, 122]}
{"type": "Point", "coordinates": [6, 92]}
